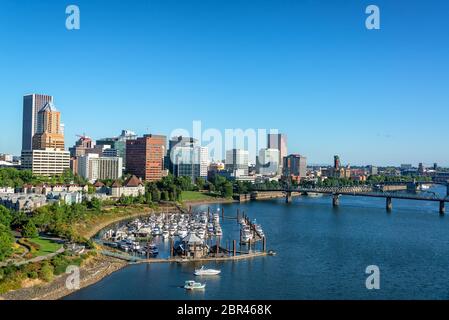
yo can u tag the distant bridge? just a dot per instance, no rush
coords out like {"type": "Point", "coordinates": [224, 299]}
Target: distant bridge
{"type": "Point", "coordinates": [364, 191]}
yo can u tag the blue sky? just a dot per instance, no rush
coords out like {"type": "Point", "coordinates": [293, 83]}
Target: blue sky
{"type": "Point", "coordinates": [308, 68]}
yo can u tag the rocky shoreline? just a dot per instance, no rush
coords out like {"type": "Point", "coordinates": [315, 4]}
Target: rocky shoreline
{"type": "Point", "coordinates": [91, 272]}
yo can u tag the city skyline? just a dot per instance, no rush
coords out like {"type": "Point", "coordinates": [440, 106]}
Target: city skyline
{"type": "Point", "coordinates": [339, 89]}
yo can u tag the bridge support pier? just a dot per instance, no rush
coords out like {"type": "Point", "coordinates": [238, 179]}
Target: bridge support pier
{"type": "Point", "coordinates": [389, 204]}
{"type": "Point", "coordinates": [335, 200]}
{"type": "Point", "coordinates": [442, 208]}
{"type": "Point", "coordinates": [288, 197]}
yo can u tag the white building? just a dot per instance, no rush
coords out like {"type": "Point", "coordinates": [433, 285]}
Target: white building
{"type": "Point", "coordinates": [237, 159]}
{"type": "Point", "coordinates": [133, 187]}
{"type": "Point", "coordinates": [93, 167]}
{"type": "Point", "coordinates": [269, 162]}
{"type": "Point", "coordinates": [46, 162]}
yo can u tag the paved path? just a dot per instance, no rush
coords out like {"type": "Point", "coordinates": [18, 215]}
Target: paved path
{"type": "Point", "coordinates": [36, 259]}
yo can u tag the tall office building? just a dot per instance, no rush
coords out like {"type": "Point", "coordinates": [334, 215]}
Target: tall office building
{"type": "Point", "coordinates": [32, 104]}
{"type": "Point", "coordinates": [278, 141]}
{"type": "Point", "coordinates": [92, 167]}
{"type": "Point", "coordinates": [237, 160]}
{"type": "Point", "coordinates": [337, 163]}
{"type": "Point", "coordinates": [295, 167]}
{"type": "Point", "coordinates": [48, 133]}
{"type": "Point", "coordinates": [268, 162]}
{"type": "Point", "coordinates": [118, 144]}
{"type": "Point", "coordinates": [48, 162]}
{"type": "Point", "coordinates": [145, 156]}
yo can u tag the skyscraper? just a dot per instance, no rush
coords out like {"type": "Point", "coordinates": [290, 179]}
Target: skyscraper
{"type": "Point", "coordinates": [145, 156]}
{"type": "Point", "coordinates": [237, 160]}
{"type": "Point", "coordinates": [295, 167]}
{"type": "Point", "coordinates": [278, 141]}
{"type": "Point", "coordinates": [48, 133]}
{"type": "Point", "coordinates": [268, 162]}
{"type": "Point", "coordinates": [32, 104]}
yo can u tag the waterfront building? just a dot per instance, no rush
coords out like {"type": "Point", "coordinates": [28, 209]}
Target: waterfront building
{"type": "Point", "coordinates": [32, 104]}
{"type": "Point", "coordinates": [373, 171]}
{"type": "Point", "coordinates": [237, 160]}
{"type": "Point", "coordinates": [295, 167]}
{"type": "Point", "coordinates": [145, 157]}
{"type": "Point", "coordinates": [48, 162]}
{"type": "Point", "coordinates": [268, 162]}
{"type": "Point", "coordinates": [93, 168]}
{"type": "Point", "coordinates": [421, 170]}
{"type": "Point", "coordinates": [23, 202]}
{"type": "Point", "coordinates": [133, 187]}
{"type": "Point", "coordinates": [278, 141]}
{"type": "Point", "coordinates": [48, 133]}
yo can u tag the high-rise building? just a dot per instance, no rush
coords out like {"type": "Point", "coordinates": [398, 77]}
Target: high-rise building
{"type": "Point", "coordinates": [268, 162]}
{"type": "Point", "coordinates": [237, 160]}
{"type": "Point", "coordinates": [92, 167]}
{"type": "Point", "coordinates": [337, 163]}
{"type": "Point", "coordinates": [32, 104]}
{"type": "Point", "coordinates": [145, 156]}
{"type": "Point", "coordinates": [295, 167]}
{"type": "Point", "coordinates": [175, 146]}
{"type": "Point", "coordinates": [48, 162]}
{"type": "Point", "coordinates": [118, 144]}
{"type": "Point", "coordinates": [81, 146]}
{"type": "Point", "coordinates": [421, 169]}
{"type": "Point", "coordinates": [48, 133]}
{"type": "Point", "coordinates": [278, 141]}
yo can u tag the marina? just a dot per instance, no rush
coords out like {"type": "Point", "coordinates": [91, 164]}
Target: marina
{"type": "Point", "coordinates": [182, 237]}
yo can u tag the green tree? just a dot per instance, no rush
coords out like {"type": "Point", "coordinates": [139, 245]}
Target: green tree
{"type": "Point", "coordinates": [156, 195]}
{"type": "Point", "coordinates": [6, 241]}
{"type": "Point", "coordinates": [227, 190]}
{"type": "Point", "coordinates": [46, 272]}
{"type": "Point", "coordinates": [29, 230]}
{"type": "Point", "coordinates": [5, 216]}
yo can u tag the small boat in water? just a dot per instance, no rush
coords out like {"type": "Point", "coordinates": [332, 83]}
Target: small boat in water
{"type": "Point", "coordinates": [192, 285]}
{"type": "Point", "coordinates": [206, 272]}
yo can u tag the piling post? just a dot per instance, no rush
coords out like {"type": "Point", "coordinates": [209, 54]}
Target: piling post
{"type": "Point", "coordinates": [288, 197]}
{"type": "Point", "coordinates": [171, 248]}
{"type": "Point", "coordinates": [222, 213]}
{"type": "Point", "coordinates": [389, 204]}
{"type": "Point", "coordinates": [208, 211]}
{"type": "Point", "coordinates": [335, 200]}
{"type": "Point", "coordinates": [234, 248]}
{"type": "Point", "coordinates": [447, 189]}
{"type": "Point", "coordinates": [264, 244]}
{"type": "Point", "coordinates": [218, 246]}
{"type": "Point", "coordinates": [238, 213]}
{"type": "Point", "coordinates": [442, 208]}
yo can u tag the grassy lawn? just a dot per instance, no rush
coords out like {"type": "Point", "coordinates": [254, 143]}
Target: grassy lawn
{"type": "Point", "coordinates": [46, 246]}
{"type": "Point", "coordinates": [195, 196]}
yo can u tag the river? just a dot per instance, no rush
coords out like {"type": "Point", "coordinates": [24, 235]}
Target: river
{"type": "Point", "coordinates": [322, 253]}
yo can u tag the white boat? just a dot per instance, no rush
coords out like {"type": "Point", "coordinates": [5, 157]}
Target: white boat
{"type": "Point", "coordinates": [192, 285]}
{"type": "Point", "coordinates": [206, 272]}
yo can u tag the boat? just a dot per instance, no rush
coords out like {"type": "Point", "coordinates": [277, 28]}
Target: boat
{"type": "Point", "coordinates": [192, 285]}
{"type": "Point", "coordinates": [206, 272]}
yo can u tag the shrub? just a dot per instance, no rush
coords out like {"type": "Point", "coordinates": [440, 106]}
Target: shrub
{"type": "Point", "coordinates": [46, 272]}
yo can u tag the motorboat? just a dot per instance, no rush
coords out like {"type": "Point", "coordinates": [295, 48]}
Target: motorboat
{"type": "Point", "coordinates": [206, 272]}
{"type": "Point", "coordinates": [192, 285]}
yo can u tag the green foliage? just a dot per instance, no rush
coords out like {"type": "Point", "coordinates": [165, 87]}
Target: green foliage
{"type": "Point", "coordinates": [95, 204]}
{"type": "Point", "coordinates": [29, 230]}
{"type": "Point", "coordinates": [6, 242]}
{"type": "Point", "coordinates": [11, 177]}
{"type": "Point", "coordinates": [5, 216]}
{"type": "Point", "coordinates": [46, 272]}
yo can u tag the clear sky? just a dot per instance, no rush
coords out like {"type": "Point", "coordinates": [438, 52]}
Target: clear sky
{"type": "Point", "coordinates": [308, 68]}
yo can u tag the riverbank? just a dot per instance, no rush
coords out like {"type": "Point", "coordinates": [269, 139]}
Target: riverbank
{"type": "Point", "coordinates": [92, 271]}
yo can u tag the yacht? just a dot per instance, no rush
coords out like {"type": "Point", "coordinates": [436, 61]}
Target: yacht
{"type": "Point", "coordinates": [192, 285]}
{"type": "Point", "coordinates": [206, 272]}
